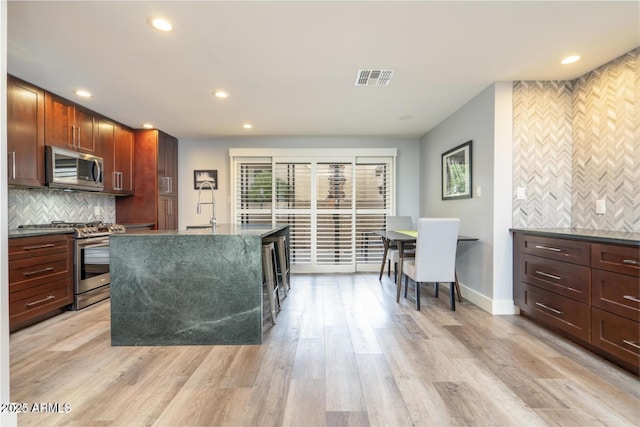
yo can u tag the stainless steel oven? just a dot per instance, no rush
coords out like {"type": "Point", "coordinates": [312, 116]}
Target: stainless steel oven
{"type": "Point", "coordinates": [91, 275]}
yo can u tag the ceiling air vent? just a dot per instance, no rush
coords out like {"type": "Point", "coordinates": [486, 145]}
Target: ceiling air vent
{"type": "Point", "coordinates": [374, 77]}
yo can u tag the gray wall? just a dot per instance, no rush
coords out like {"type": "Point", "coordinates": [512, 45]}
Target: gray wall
{"type": "Point", "coordinates": [474, 121]}
{"type": "Point", "coordinates": [214, 154]}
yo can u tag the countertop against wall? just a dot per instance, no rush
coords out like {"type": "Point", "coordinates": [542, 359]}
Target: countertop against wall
{"type": "Point", "coordinates": [600, 236]}
{"type": "Point", "coordinates": [32, 232]}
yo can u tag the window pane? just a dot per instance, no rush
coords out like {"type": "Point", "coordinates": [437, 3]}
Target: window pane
{"type": "Point", "coordinates": [335, 185]}
{"type": "Point", "coordinates": [293, 185]}
{"type": "Point", "coordinates": [334, 239]}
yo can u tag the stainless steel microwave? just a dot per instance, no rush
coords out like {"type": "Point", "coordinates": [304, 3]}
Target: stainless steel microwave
{"type": "Point", "coordinates": [73, 170]}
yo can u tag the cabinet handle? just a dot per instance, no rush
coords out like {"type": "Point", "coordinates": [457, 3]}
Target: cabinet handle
{"type": "Point", "coordinates": [631, 343]}
{"type": "Point", "coordinates": [552, 276]}
{"type": "Point", "coordinates": [119, 180]}
{"type": "Point", "coordinates": [631, 261]}
{"type": "Point", "coordinates": [31, 304]}
{"type": "Point", "coordinates": [30, 248]}
{"type": "Point", "coordinates": [79, 136]}
{"type": "Point", "coordinates": [629, 297]}
{"type": "Point", "coordinates": [44, 270]}
{"type": "Point", "coordinates": [547, 248]}
{"type": "Point", "coordinates": [13, 165]}
{"type": "Point", "coordinates": [73, 135]}
{"type": "Point", "coordinates": [549, 308]}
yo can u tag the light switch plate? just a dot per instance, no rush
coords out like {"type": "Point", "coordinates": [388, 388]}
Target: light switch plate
{"type": "Point", "coordinates": [521, 193]}
{"type": "Point", "coordinates": [479, 191]}
{"type": "Point", "coordinates": [601, 206]}
{"type": "Point", "coordinates": [96, 211]}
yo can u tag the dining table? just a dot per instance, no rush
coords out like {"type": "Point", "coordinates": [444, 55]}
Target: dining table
{"type": "Point", "coordinates": [403, 238]}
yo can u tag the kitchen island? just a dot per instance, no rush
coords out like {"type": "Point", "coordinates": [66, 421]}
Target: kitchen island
{"type": "Point", "coordinates": [188, 287]}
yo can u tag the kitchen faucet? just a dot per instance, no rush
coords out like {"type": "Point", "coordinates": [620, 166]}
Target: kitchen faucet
{"type": "Point", "coordinates": [212, 221]}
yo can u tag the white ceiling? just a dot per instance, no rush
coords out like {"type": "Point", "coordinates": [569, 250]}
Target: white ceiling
{"type": "Point", "coordinates": [290, 67]}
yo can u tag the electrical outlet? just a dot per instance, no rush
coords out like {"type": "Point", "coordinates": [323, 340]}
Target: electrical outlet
{"type": "Point", "coordinates": [521, 193]}
{"type": "Point", "coordinates": [96, 211]}
{"type": "Point", "coordinates": [601, 206]}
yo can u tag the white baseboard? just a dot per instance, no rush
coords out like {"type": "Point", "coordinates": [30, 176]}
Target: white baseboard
{"type": "Point", "coordinates": [495, 307]}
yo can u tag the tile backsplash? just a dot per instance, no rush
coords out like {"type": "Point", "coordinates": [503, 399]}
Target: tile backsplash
{"type": "Point", "coordinates": [576, 142]}
{"type": "Point", "coordinates": [41, 206]}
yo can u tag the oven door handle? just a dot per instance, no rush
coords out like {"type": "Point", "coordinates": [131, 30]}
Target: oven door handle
{"type": "Point", "coordinates": [101, 244]}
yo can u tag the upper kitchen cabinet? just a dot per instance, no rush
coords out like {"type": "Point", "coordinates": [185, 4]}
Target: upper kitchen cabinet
{"type": "Point", "coordinates": [70, 126]}
{"type": "Point", "coordinates": [167, 165]}
{"type": "Point", "coordinates": [155, 160]}
{"type": "Point", "coordinates": [116, 144]}
{"type": "Point", "coordinates": [25, 133]}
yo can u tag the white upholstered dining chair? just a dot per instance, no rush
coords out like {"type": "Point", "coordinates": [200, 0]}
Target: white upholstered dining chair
{"type": "Point", "coordinates": [395, 223]}
{"type": "Point", "coordinates": [435, 258]}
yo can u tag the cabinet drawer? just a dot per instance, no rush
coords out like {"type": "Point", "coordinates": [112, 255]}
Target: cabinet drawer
{"type": "Point", "coordinates": [621, 259]}
{"type": "Point", "coordinates": [35, 271]}
{"type": "Point", "coordinates": [563, 250]}
{"type": "Point", "coordinates": [41, 299]}
{"type": "Point", "coordinates": [616, 335]}
{"type": "Point", "coordinates": [616, 293]}
{"type": "Point", "coordinates": [570, 280]}
{"type": "Point", "coordinates": [556, 311]}
{"type": "Point", "coordinates": [27, 247]}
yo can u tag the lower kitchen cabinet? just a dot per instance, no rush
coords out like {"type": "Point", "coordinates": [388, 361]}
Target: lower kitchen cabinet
{"type": "Point", "coordinates": [40, 278]}
{"type": "Point", "coordinates": [583, 286]}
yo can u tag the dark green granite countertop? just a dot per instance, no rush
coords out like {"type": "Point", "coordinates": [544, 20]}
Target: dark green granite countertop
{"type": "Point", "coordinates": [601, 236]}
{"type": "Point", "coordinates": [32, 232]}
{"type": "Point", "coordinates": [221, 230]}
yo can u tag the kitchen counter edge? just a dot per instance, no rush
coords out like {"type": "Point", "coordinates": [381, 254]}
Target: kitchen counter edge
{"type": "Point", "coordinates": [31, 232]}
{"type": "Point", "coordinates": [598, 236]}
{"type": "Point", "coordinates": [221, 230]}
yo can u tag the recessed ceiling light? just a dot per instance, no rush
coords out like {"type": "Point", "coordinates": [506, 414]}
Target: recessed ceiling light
{"type": "Point", "coordinates": [247, 125]}
{"type": "Point", "coordinates": [161, 24]}
{"type": "Point", "coordinates": [82, 93]}
{"type": "Point", "coordinates": [147, 126]}
{"type": "Point", "coordinates": [570, 59]}
{"type": "Point", "coordinates": [221, 94]}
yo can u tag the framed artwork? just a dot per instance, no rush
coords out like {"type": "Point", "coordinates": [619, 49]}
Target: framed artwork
{"type": "Point", "coordinates": [456, 172]}
{"type": "Point", "coordinates": [200, 176]}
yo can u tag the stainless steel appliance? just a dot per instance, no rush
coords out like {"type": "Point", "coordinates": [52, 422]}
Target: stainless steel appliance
{"type": "Point", "coordinates": [73, 170]}
{"type": "Point", "coordinates": [90, 259]}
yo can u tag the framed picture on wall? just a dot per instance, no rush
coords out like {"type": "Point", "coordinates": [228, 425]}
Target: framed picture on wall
{"type": "Point", "coordinates": [200, 176]}
{"type": "Point", "coordinates": [456, 172]}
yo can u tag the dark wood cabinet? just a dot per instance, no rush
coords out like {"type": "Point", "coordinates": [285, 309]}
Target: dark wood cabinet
{"type": "Point", "coordinates": [70, 126]}
{"type": "Point", "coordinates": [116, 144]}
{"type": "Point", "coordinates": [25, 133]}
{"type": "Point", "coordinates": [124, 153]}
{"type": "Point", "coordinates": [167, 165]}
{"type": "Point", "coordinates": [156, 183]}
{"type": "Point", "coordinates": [40, 278]}
{"type": "Point", "coordinates": [588, 291]}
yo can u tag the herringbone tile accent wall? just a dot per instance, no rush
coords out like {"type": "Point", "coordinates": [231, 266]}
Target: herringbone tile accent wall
{"type": "Point", "coordinates": [542, 153]}
{"type": "Point", "coordinates": [576, 142]}
{"type": "Point", "coordinates": [41, 206]}
{"type": "Point", "coordinates": [606, 146]}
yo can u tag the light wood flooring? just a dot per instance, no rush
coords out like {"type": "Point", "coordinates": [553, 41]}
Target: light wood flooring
{"type": "Point", "coordinates": [343, 353]}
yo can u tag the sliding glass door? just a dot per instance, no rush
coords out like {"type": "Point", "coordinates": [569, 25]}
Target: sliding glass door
{"type": "Point", "coordinates": [331, 204]}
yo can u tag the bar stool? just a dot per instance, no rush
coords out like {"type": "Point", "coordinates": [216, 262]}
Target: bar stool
{"type": "Point", "coordinates": [283, 268]}
{"type": "Point", "coordinates": [269, 275]}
